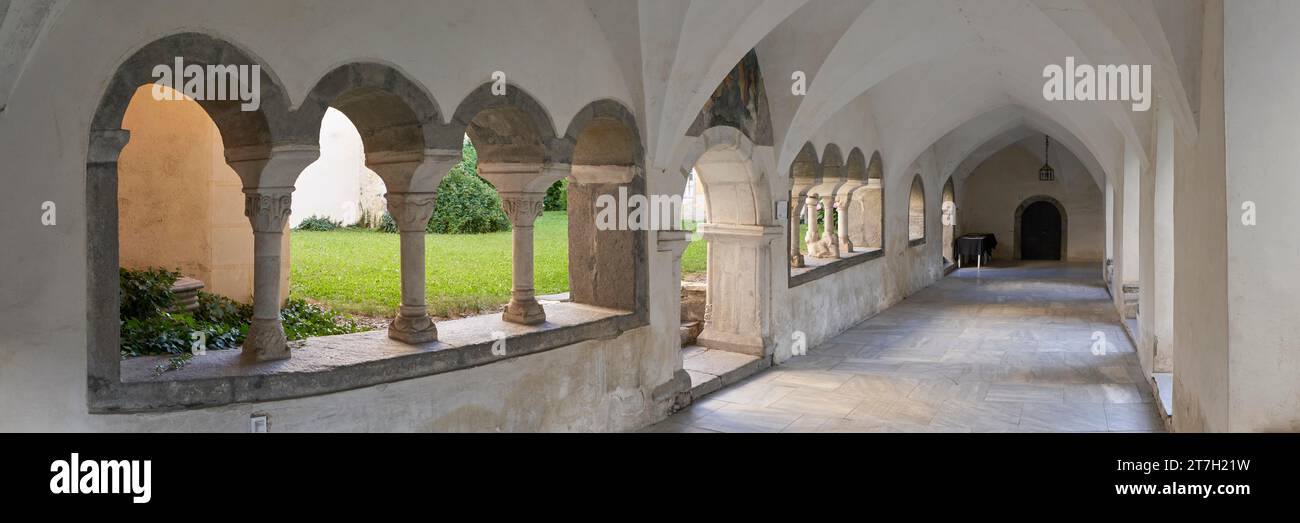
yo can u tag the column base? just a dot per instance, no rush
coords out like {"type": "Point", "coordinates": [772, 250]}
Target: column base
{"type": "Point", "coordinates": [796, 261]}
{"type": "Point", "coordinates": [731, 342]}
{"type": "Point", "coordinates": [524, 312]}
{"type": "Point", "coordinates": [265, 341]}
{"type": "Point", "coordinates": [413, 329]}
{"type": "Point", "coordinates": [846, 244]}
{"type": "Point", "coordinates": [826, 248]}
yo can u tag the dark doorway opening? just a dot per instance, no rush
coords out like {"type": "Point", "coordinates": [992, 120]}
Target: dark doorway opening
{"type": "Point", "coordinates": [1040, 232]}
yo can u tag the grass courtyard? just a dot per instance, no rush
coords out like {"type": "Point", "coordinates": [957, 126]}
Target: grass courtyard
{"type": "Point", "coordinates": [358, 271]}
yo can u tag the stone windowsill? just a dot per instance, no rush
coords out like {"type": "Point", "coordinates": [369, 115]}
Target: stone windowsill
{"type": "Point", "coordinates": [818, 268]}
{"type": "Point", "coordinates": [336, 363]}
{"type": "Point", "coordinates": [914, 243]}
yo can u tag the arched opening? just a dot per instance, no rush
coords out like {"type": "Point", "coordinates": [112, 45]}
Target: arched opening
{"type": "Point", "coordinates": [1040, 229]}
{"type": "Point", "coordinates": [509, 135]}
{"type": "Point", "coordinates": [867, 208]}
{"type": "Point", "coordinates": [805, 173]}
{"type": "Point", "coordinates": [740, 236]}
{"type": "Point", "coordinates": [916, 212]}
{"type": "Point", "coordinates": [607, 167]}
{"type": "Point", "coordinates": [239, 134]}
{"type": "Point", "coordinates": [949, 221]}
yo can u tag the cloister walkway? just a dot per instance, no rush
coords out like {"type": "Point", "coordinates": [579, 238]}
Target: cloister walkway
{"type": "Point", "coordinates": [1012, 348]}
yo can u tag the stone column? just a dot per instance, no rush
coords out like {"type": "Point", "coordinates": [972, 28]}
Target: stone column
{"type": "Point", "coordinates": [523, 188]}
{"type": "Point", "coordinates": [740, 290]}
{"type": "Point", "coordinates": [844, 218]}
{"type": "Point", "coordinates": [796, 257]}
{"type": "Point", "coordinates": [813, 235]}
{"type": "Point", "coordinates": [411, 212]}
{"type": "Point", "coordinates": [267, 209]}
{"type": "Point", "coordinates": [523, 209]}
{"type": "Point", "coordinates": [411, 179]}
{"type": "Point", "coordinates": [828, 230]}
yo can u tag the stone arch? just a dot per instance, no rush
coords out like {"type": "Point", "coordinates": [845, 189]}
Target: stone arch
{"type": "Point", "coordinates": [948, 212]}
{"type": "Point", "coordinates": [392, 112]}
{"type": "Point", "coordinates": [1065, 223]}
{"type": "Point", "coordinates": [741, 236]}
{"type": "Point", "coordinates": [805, 173]}
{"type": "Point", "coordinates": [398, 120]}
{"type": "Point", "coordinates": [735, 187]}
{"type": "Point", "coordinates": [607, 157]}
{"type": "Point", "coordinates": [916, 212]}
{"type": "Point", "coordinates": [510, 128]}
{"type": "Point", "coordinates": [268, 124]}
{"type": "Point", "coordinates": [867, 207]}
{"type": "Point", "coordinates": [256, 141]}
{"type": "Point", "coordinates": [855, 168]}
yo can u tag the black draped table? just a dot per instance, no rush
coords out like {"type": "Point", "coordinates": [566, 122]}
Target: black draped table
{"type": "Point", "coordinates": [979, 245]}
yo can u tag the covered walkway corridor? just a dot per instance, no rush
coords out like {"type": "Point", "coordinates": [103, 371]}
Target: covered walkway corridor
{"type": "Point", "coordinates": [1027, 347]}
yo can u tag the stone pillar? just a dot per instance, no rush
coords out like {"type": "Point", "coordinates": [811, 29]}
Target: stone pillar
{"type": "Point", "coordinates": [523, 209]}
{"type": "Point", "coordinates": [411, 213]}
{"type": "Point", "coordinates": [523, 189]}
{"type": "Point", "coordinates": [796, 256]}
{"type": "Point", "coordinates": [844, 218]}
{"type": "Point", "coordinates": [267, 209]}
{"type": "Point", "coordinates": [813, 235]}
{"type": "Point", "coordinates": [412, 178]}
{"type": "Point", "coordinates": [832, 247]}
{"type": "Point", "coordinates": [740, 290]}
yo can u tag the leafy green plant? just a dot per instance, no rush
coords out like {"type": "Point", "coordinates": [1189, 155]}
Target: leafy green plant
{"type": "Point", "coordinates": [148, 327]}
{"type": "Point", "coordinates": [146, 293]}
{"type": "Point", "coordinates": [303, 319]}
{"type": "Point", "coordinates": [557, 196]}
{"type": "Point", "coordinates": [467, 204]}
{"type": "Point", "coordinates": [318, 223]}
{"type": "Point", "coordinates": [386, 223]}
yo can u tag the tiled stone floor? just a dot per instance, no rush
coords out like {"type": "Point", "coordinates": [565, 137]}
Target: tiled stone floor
{"type": "Point", "coordinates": [1001, 349]}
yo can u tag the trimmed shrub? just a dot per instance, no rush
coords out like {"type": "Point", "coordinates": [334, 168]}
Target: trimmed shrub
{"type": "Point", "coordinates": [467, 204]}
{"type": "Point", "coordinates": [318, 223]}
{"type": "Point", "coordinates": [557, 196]}
{"type": "Point", "coordinates": [386, 223]}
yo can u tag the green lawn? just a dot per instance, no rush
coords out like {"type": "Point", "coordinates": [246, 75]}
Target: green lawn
{"type": "Point", "coordinates": [358, 271]}
{"type": "Point", "coordinates": [695, 259]}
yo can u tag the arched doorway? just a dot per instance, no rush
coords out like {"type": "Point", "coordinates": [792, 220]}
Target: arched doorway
{"type": "Point", "coordinates": [1040, 229]}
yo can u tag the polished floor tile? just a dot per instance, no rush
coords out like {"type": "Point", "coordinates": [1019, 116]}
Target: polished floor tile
{"type": "Point", "coordinates": [1001, 349]}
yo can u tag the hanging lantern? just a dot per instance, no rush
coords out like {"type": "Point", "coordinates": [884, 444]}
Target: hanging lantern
{"type": "Point", "coordinates": [1046, 173]}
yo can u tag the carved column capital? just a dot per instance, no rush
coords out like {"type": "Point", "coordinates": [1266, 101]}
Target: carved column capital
{"type": "Point", "coordinates": [523, 208]}
{"type": "Point", "coordinates": [411, 211]}
{"type": "Point", "coordinates": [267, 208]}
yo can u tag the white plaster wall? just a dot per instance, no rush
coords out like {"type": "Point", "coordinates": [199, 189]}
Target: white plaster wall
{"type": "Point", "coordinates": [990, 196]}
{"type": "Point", "coordinates": [827, 306]}
{"type": "Point", "coordinates": [1201, 219]}
{"type": "Point", "coordinates": [1260, 72]}
{"type": "Point", "coordinates": [332, 185]}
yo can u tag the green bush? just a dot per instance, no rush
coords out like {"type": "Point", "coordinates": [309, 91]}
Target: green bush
{"type": "Point", "coordinates": [386, 223]}
{"type": "Point", "coordinates": [557, 196]}
{"type": "Point", "coordinates": [318, 223]}
{"type": "Point", "coordinates": [302, 319]}
{"type": "Point", "coordinates": [146, 293]}
{"type": "Point", "coordinates": [147, 327]}
{"type": "Point", "coordinates": [467, 204]}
